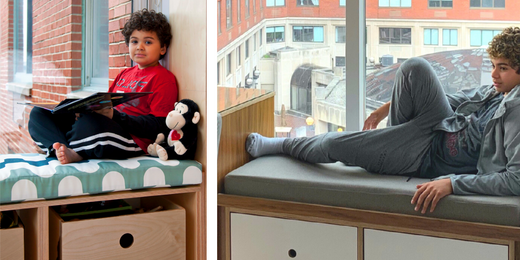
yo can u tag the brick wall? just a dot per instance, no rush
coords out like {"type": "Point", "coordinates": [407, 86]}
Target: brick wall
{"type": "Point", "coordinates": [57, 48]}
{"type": "Point", "coordinates": [119, 59]}
{"type": "Point", "coordinates": [6, 47]}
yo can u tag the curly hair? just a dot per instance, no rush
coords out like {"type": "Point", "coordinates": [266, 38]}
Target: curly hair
{"type": "Point", "coordinates": [507, 45]}
{"type": "Point", "coordinates": [150, 21]}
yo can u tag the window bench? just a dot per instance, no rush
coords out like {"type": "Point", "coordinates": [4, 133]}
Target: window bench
{"type": "Point", "coordinates": [276, 207]}
{"type": "Point", "coordinates": [32, 185]}
{"type": "Point", "coordinates": [269, 191]}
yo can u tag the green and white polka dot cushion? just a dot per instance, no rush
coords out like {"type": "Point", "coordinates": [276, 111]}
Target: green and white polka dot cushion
{"type": "Point", "coordinates": [25, 177]}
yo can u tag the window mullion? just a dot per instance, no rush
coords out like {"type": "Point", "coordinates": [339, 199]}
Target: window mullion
{"type": "Point", "coordinates": [355, 65]}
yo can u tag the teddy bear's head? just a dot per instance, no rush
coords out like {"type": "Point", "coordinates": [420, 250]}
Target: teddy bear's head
{"type": "Point", "coordinates": [186, 112]}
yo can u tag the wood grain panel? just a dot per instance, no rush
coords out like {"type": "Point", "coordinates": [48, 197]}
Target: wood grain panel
{"type": "Point", "coordinates": [471, 231]}
{"type": "Point", "coordinates": [237, 123]}
{"type": "Point", "coordinates": [12, 243]}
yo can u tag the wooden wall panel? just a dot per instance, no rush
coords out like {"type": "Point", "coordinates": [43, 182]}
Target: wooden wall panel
{"type": "Point", "coordinates": [237, 124]}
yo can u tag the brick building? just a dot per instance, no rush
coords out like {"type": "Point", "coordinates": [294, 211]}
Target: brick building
{"type": "Point", "coordinates": [52, 49]}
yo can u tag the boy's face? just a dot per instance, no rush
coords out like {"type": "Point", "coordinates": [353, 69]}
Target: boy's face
{"type": "Point", "coordinates": [145, 48]}
{"type": "Point", "coordinates": [504, 76]}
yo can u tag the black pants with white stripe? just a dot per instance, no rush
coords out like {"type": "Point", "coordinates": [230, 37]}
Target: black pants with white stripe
{"type": "Point", "coordinates": [92, 136]}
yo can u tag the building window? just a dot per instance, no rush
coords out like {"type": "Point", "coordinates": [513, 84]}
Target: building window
{"type": "Point", "coordinates": [395, 35]}
{"type": "Point", "coordinates": [228, 65]}
{"type": "Point", "coordinates": [307, 2]}
{"type": "Point", "coordinates": [450, 37]}
{"type": "Point", "coordinates": [218, 73]}
{"type": "Point", "coordinates": [482, 37]}
{"type": "Point", "coordinates": [308, 34]}
{"type": "Point", "coordinates": [229, 20]}
{"type": "Point", "coordinates": [270, 3]}
{"type": "Point", "coordinates": [238, 11]}
{"type": "Point", "coordinates": [254, 6]}
{"type": "Point", "coordinates": [96, 45]}
{"type": "Point", "coordinates": [340, 61]}
{"type": "Point", "coordinates": [260, 37]}
{"type": "Point", "coordinates": [340, 34]}
{"type": "Point", "coordinates": [395, 3]}
{"type": "Point", "coordinates": [218, 14]}
{"type": "Point", "coordinates": [431, 36]}
{"type": "Point", "coordinates": [488, 3]}
{"type": "Point", "coordinates": [342, 2]}
{"type": "Point", "coordinates": [254, 42]}
{"type": "Point", "coordinates": [238, 56]}
{"type": "Point", "coordinates": [247, 49]}
{"type": "Point", "coordinates": [22, 42]}
{"type": "Point", "coordinates": [247, 8]}
{"type": "Point", "coordinates": [275, 34]}
{"type": "Point", "coordinates": [440, 3]}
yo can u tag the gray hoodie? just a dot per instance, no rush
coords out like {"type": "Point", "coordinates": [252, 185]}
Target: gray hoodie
{"type": "Point", "coordinates": [499, 160]}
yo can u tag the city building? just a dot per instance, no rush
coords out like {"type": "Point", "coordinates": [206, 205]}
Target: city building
{"type": "Point", "coordinates": [262, 44]}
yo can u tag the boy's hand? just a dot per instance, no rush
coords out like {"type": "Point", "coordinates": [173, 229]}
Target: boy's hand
{"type": "Point", "coordinates": [108, 112]}
{"type": "Point", "coordinates": [431, 192]}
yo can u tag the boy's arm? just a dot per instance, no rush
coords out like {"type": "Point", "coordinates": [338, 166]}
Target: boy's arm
{"type": "Point", "coordinates": [147, 126]}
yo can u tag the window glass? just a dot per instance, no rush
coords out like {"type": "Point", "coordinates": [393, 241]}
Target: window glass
{"type": "Point", "coordinates": [219, 24]}
{"type": "Point", "coordinates": [482, 37]}
{"type": "Point", "coordinates": [449, 37]}
{"type": "Point", "coordinates": [275, 34]}
{"type": "Point", "coordinates": [342, 2]}
{"type": "Point", "coordinates": [340, 34]}
{"type": "Point", "coordinates": [440, 3]}
{"type": "Point", "coordinates": [431, 36]}
{"type": "Point", "coordinates": [307, 2]}
{"type": "Point", "coordinates": [308, 33]}
{"type": "Point", "coordinates": [488, 3]}
{"type": "Point", "coordinates": [269, 3]}
{"type": "Point", "coordinates": [395, 35]}
{"type": "Point", "coordinates": [229, 20]}
{"type": "Point", "coordinates": [96, 42]}
{"type": "Point", "coordinates": [228, 65]}
{"type": "Point", "coordinates": [238, 11]}
{"type": "Point", "coordinates": [247, 49]}
{"type": "Point", "coordinates": [395, 3]}
{"type": "Point", "coordinates": [22, 41]}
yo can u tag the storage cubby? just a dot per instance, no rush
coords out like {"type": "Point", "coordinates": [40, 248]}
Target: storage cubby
{"type": "Point", "coordinates": [175, 232]}
{"type": "Point", "coordinates": [153, 235]}
{"type": "Point", "coordinates": [12, 242]}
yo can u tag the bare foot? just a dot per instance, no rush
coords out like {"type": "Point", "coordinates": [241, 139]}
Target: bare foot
{"type": "Point", "coordinates": [66, 155]}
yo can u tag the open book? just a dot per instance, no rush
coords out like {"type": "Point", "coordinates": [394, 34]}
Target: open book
{"type": "Point", "coordinates": [95, 101]}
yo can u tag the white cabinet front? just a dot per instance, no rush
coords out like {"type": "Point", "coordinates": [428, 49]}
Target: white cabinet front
{"type": "Point", "coordinates": [265, 238]}
{"type": "Point", "coordinates": [398, 246]}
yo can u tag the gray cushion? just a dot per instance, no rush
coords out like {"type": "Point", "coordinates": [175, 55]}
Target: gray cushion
{"type": "Point", "coordinates": [284, 178]}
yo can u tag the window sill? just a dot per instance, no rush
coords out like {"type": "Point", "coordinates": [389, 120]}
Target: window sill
{"type": "Point", "coordinates": [21, 88]}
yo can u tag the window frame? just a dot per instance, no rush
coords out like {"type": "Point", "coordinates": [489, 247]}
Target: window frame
{"type": "Point", "coordinates": [247, 8]}
{"type": "Point", "coordinates": [344, 34]}
{"type": "Point", "coordinates": [393, 6]}
{"type": "Point", "coordinates": [440, 3]}
{"type": "Point", "coordinates": [275, 3]}
{"type": "Point", "coordinates": [275, 27]}
{"type": "Point", "coordinates": [390, 32]}
{"type": "Point", "coordinates": [23, 76]}
{"type": "Point", "coordinates": [229, 14]}
{"type": "Point", "coordinates": [307, 27]}
{"type": "Point", "coordinates": [494, 32]}
{"type": "Point", "coordinates": [450, 32]}
{"type": "Point", "coordinates": [306, 5]}
{"type": "Point", "coordinates": [486, 7]}
{"type": "Point", "coordinates": [219, 17]}
{"type": "Point", "coordinates": [89, 82]}
{"type": "Point", "coordinates": [238, 12]}
{"type": "Point", "coordinates": [430, 30]}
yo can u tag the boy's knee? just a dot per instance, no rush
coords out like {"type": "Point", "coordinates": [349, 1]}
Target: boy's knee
{"type": "Point", "coordinates": [415, 63]}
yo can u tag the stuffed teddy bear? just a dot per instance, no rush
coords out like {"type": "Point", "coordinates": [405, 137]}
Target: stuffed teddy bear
{"type": "Point", "coordinates": [182, 139]}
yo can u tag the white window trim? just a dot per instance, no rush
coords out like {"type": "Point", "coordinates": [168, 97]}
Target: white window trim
{"type": "Point", "coordinates": [90, 84]}
{"type": "Point", "coordinates": [355, 23]}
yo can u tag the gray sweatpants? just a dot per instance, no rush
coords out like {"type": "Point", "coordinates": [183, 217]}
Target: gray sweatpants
{"type": "Point", "coordinates": [418, 103]}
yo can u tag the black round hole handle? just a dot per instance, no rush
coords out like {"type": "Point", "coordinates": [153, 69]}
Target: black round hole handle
{"type": "Point", "coordinates": [126, 240]}
{"type": "Point", "coordinates": [292, 253]}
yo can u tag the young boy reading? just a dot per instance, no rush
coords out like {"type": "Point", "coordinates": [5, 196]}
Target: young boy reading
{"type": "Point", "coordinates": [470, 140]}
{"type": "Point", "coordinates": [128, 129]}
